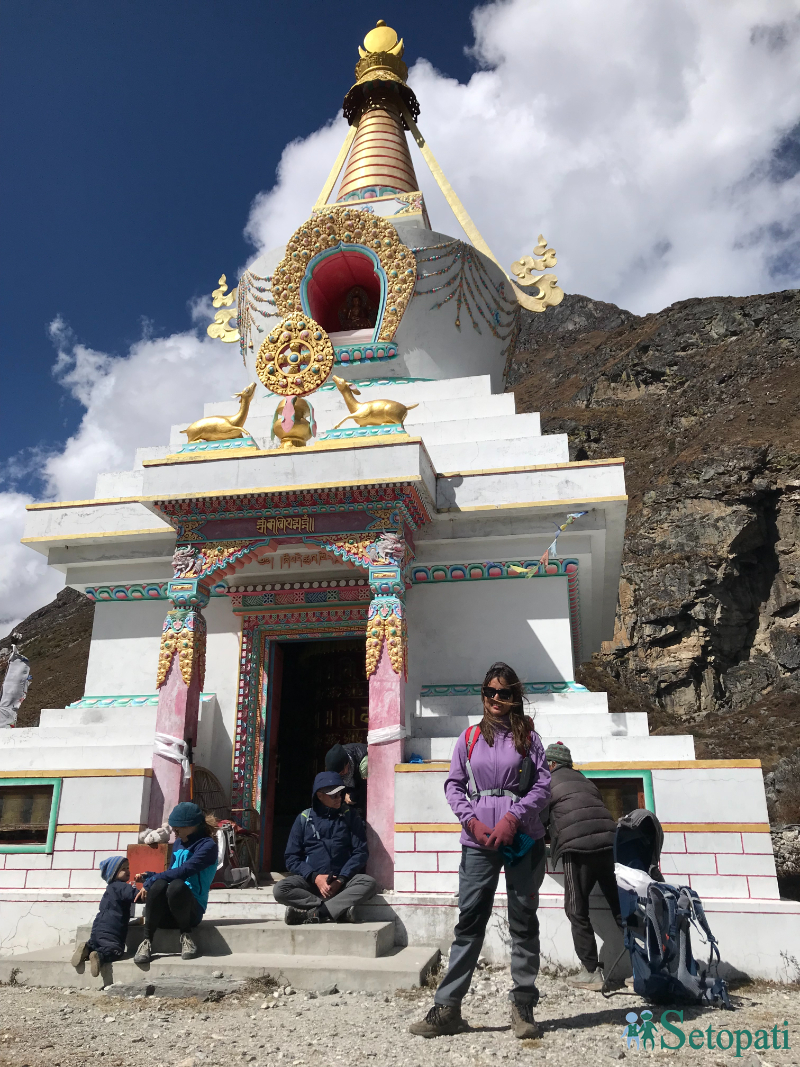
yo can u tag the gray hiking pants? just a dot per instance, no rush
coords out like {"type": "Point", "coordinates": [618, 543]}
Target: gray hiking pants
{"type": "Point", "coordinates": [295, 892]}
{"type": "Point", "coordinates": [478, 876]}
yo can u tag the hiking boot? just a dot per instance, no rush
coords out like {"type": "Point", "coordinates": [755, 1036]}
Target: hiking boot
{"type": "Point", "coordinates": [94, 964]}
{"type": "Point", "coordinates": [80, 955]}
{"type": "Point", "coordinates": [143, 952]}
{"type": "Point", "coordinates": [590, 980]}
{"type": "Point", "coordinates": [522, 1021]}
{"type": "Point", "coordinates": [348, 915]}
{"type": "Point", "coordinates": [315, 917]}
{"type": "Point", "coordinates": [441, 1021]}
{"type": "Point", "coordinates": [188, 948]}
{"type": "Point", "coordinates": [294, 916]}
{"type": "Point", "coordinates": [629, 982]}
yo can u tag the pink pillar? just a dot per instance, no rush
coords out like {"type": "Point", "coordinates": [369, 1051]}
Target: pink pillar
{"type": "Point", "coordinates": [181, 673]}
{"type": "Point", "coordinates": [178, 709]}
{"type": "Point", "coordinates": [386, 712]}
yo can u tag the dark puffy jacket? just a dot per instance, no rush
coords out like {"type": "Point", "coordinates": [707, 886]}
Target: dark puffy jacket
{"type": "Point", "coordinates": [356, 785]}
{"type": "Point", "coordinates": [577, 818]}
{"type": "Point", "coordinates": [110, 928]}
{"type": "Point", "coordinates": [338, 847]}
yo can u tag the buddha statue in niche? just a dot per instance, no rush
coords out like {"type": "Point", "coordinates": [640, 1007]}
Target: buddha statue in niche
{"type": "Point", "coordinates": [357, 313]}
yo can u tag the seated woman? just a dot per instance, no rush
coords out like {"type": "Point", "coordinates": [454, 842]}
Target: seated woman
{"type": "Point", "coordinates": [177, 898]}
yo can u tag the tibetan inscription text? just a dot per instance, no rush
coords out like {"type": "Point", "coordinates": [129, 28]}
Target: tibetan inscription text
{"type": "Point", "coordinates": [286, 524]}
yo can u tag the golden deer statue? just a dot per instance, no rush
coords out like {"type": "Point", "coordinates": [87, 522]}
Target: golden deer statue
{"type": "Point", "coordinates": [223, 427]}
{"type": "Point", "coordinates": [373, 412]}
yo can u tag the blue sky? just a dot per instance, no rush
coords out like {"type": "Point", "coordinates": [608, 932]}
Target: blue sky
{"type": "Point", "coordinates": [149, 146]}
{"type": "Point", "coordinates": [125, 182]}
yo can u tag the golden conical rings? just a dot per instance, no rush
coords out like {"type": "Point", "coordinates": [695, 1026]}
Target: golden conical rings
{"type": "Point", "coordinates": [296, 358]}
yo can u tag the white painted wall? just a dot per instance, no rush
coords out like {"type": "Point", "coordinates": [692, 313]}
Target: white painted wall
{"type": "Point", "coordinates": [123, 656]}
{"type": "Point", "coordinates": [215, 740]}
{"type": "Point", "coordinates": [456, 631]}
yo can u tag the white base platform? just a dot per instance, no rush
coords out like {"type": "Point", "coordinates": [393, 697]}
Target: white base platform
{"type": "Point", "coordinates": [759, 938]}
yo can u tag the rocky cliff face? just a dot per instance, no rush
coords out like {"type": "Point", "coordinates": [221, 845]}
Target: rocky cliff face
{"type": "Point", "coordinates": [56, 640]}
{"type": "Point", "coordinates": [702, 401]}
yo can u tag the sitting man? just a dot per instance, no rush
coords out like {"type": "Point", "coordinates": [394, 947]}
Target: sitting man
{"type": "Point", "coordinates": [327, 854]}
{"type": "Point", "coordinates": [582, 834]}
{"type": "Point", "coordinates": [350, 762]}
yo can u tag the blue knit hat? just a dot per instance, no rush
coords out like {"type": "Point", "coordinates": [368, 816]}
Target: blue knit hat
{"type": "Point", "coordinates": [186, 814]}
{"type": "Point", "coordinates": [109, 868]}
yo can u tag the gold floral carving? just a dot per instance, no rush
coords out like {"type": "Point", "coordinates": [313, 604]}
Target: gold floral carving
{"type": "Point", "coordinates": [221, 326]}
{"type": "Point", "coordinates": [219, 551]}
{"type": "Point", "coordinates": [296, 358]}
{"type": "Point", "coordinates": [352, 226]}
{"type": "Point", "coordinates": [392, 631]}
{"type": "Point", "coordinates": [186, 638]}
{"type": "Point", "coordinates": [548, 292]}
{"type": "Point", "coordinates": [374, 644]}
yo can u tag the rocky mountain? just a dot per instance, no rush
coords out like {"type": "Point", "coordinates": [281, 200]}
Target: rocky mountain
{"type": "Point", "coordinates": [55, 639]}
{"type": "Point", "coordinates": [702, 401]}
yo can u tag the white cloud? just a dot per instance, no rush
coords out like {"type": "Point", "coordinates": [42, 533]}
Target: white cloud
{"type": "Point", "coordinates": [648, 142]}
{"type": "Point", "coordinates": [130, 401]}
{"type": "Point", "coordinates": [639, 138]}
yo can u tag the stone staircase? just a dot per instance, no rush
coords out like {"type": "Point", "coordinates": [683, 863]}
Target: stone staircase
{"type": "Point", "coordinates": [578, 718]}
{"type": "Point", "coordinates": [358, 956]}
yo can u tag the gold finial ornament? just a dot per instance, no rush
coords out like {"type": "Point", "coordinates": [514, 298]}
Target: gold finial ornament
{"type": "Point", "coordinates": [549, 294]}
{"type": "Point", "coordinates": [295, 427]}
{"type": "Point", "coordinates": [296, 358]}
{"type": "Point", "coordinates": [221, 328]}
{"type": "Point", "coordinates": [382, 39]}
{"type": "Point", "coordinates": [223, 427]}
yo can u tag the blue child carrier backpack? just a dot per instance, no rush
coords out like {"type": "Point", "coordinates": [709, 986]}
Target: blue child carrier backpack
{"type": "Point", "coordinates": [657, 926]}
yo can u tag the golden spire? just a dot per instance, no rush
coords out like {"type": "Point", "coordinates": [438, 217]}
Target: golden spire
{"type": "Point", "coordinates": [379, 160]}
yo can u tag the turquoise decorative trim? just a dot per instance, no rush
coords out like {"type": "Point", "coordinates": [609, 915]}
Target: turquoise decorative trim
{"type": "Point", "coordinates": [473, 689]}
{"type": "Point", "coordinates": [52, 821]}
{"type": "Point", "coordinates": [457, 572]}
{"type": "Point", "coordinates": [143, 591]}
{"type": "Point", "coordinates": [372, 192]}
{"type": "Point", "coordinates": [219, 446]}
{"type": "Point", "coordinates": [371, 352]}
{"type": "Point", "coordinates": [362, 431]}
{"type": "Point", "coordinates": [365, 383]}
{"type": "Point", "coordinates": [647, 782]}
{"type": "Point", "coordinates": [148, 700]}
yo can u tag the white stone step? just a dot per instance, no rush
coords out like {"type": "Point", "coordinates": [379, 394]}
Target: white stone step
{"type": "Point", "coordinates": [119, 733]}
{"type": "Point", "coordinates": [111, 717]}
{"type": "Point", "coordinates": [221, 937]}
{"type": "Point", "coordinates": [402, 968]}
{"type": "Point", "coordinates": [330, 400]}
{"type": "Point", "coordinates": [490, 455]}
{"type": "Point", "coordinates": [553, 725]}
{"type": "Point", "coordinates": [33, 755]}
{"type": "Point", "coordinates": [570, 702]}
{"type": "Point", "coordinates": [583, 749]}
{"type": "Point", "coordinates": [492, 428]}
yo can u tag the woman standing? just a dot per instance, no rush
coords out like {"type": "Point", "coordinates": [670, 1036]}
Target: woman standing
{"type": "Point", "coordinates": [177, 898]}
{"type": "Point", "coordinates": [497, 791]}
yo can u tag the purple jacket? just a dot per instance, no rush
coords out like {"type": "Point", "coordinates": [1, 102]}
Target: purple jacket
{"type": "Point", "coordinates": [497, 767]}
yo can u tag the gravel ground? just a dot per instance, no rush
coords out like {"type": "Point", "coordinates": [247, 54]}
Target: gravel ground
{"type": "Point", "coordinates": [68, 1028]}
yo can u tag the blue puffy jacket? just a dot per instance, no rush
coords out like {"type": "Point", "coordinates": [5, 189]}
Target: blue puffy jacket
{"type": "Point", "coordinates": [195, 863]}
{"type": "Point", "coordinates": [327, 841]}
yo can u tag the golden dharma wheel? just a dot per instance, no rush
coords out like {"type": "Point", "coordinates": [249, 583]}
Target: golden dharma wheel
{"type": "Point", "coordinates": [296, 357]}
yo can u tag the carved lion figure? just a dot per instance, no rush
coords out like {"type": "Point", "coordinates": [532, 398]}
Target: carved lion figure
{"type": "Point", "coordinates": [186, 561]}
{"type": "Point", "coordinates": [389, 549]}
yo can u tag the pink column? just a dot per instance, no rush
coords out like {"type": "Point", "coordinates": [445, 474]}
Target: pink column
{"type": "Point", "coordinates": [386, 713]}
{"type": "Point", "coordinates": [181, 670]}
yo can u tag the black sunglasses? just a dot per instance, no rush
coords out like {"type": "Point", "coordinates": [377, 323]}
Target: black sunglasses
{"type": "Point", "coordinates": [498, 694]}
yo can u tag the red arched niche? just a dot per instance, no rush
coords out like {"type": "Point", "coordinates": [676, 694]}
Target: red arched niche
{"type": "Point", "coordinates": [332, 285]}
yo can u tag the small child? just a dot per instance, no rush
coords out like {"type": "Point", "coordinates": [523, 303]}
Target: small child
{"type": "Point", "coordinates": [110, 928]}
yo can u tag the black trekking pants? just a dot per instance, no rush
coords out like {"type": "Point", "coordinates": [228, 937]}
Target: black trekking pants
{"type": "Point", "coordinates": [170, 906]}
{"type": "Point", "coordinates": [582, 870]}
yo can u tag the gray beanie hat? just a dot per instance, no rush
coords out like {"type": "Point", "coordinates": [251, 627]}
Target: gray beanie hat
{"type": "Point", "coordinates": [558, 753]}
